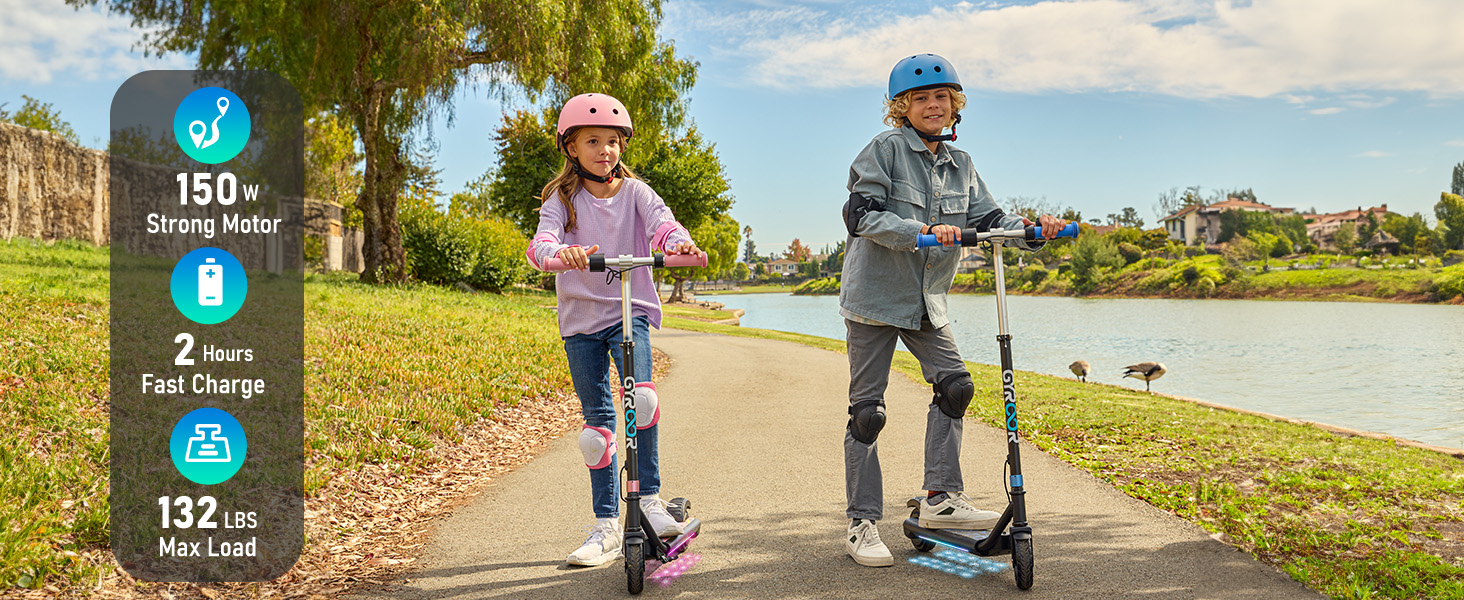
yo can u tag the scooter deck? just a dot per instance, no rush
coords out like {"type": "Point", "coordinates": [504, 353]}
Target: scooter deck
{"type": "Point", "coordinates": [975, 542]}
{"type": "Point", "coordinates": [978, 542]}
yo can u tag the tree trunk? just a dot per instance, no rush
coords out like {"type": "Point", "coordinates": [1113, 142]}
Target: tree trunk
{"type": "Point", "coordinates": [677, 293]}
{"type": "Point", "coordinates": [381, 249]}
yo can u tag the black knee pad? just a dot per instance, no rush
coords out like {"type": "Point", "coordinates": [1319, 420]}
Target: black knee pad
{"type": "Point", "coordinates": [866, 418]}
{"type": "Point", "coordinates": [953, 394]}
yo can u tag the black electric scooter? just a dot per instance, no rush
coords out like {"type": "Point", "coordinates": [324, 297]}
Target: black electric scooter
{"type": "Point", "coordinates": [1001, 539]}
{"type": "Point", "coordinates": [639, 546]}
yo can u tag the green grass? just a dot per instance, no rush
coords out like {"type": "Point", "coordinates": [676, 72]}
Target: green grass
{"type": "Point", "coordinates": [1350, 517]}
{"type": "Point", "coordinates": [694, 312]}
{"type": "Point", "coordinates": [766, 288]}
{"type": "Point", "coordinates": [390, 373]}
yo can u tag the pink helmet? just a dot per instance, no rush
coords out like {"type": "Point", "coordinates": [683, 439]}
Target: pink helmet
{"type": "Point", "coordinates": [593, 110]}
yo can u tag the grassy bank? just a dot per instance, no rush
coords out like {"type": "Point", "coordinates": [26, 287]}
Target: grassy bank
{"type": "Point", "coordinates": [391, 373]}
{"type": "Point", "coordinates": [1210, 276]}
{"type": "Point", "coordinates": [1351, 517]}
{"type": "Point", "coordinates": [765, 288]}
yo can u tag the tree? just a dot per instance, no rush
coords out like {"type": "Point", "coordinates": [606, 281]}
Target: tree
{"type": "Point", "coordinates": [741, 272]}
{"type": "Point", "coordinates": [475, 202]}
{"type": "Point", "coordinates": [835, 262]}
{"type": "Point", "coordinates": [1450, 211]}
{"type": "Point", "coordinates": [332, 164]}
{"type": "Point", "coordinates": [1346, 238]}
{"type": "Point", "coordinates": [388, 67]}
{"type": "Point", "coordinates": [718, 237]}
{"type": "Point", "coordinates": [749, 253]}
{"type": "Point", "coordinates": [1093, 255]}
{"type": "Point", "coordinates": [1457, 186]}
{"type": "Point", "coordinates": [797, 252]}
{"type": "Point", "coordinates": [1173, 201]}
{"type": "Point", "coordinates": [40, 115]}
{"type": "Point", "coordinates": [1128, 218]}
{"type": "Point", "coordinates": [1406, 229]}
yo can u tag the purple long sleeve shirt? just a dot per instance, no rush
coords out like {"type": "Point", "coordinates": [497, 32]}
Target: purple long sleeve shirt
{"type": "Point", "coordinates": [632, 222]}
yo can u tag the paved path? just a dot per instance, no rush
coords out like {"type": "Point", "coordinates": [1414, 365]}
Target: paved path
{"type": "Point", "coordinates": [752, 432]}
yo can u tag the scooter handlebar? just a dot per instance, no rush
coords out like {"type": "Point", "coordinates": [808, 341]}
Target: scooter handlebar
{"type": "Point", "coordinates": [972, 237]}
{"type": "Point", "coordinates": [598, 262]}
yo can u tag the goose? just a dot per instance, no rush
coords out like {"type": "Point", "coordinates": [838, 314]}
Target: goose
{"type": "Point", "coordinates": [1147, 371]}
{"type": "Point", "coordinates": [1080, 369]}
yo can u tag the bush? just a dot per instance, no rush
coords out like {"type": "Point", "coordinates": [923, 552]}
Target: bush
{"type": "Point", "coordinates": [825, 285]}
{"type": "Point", "coordinates": [1448, 285]}
{"type": "Point", "coordinates": [1131, 253]}
{"type": "Point", "coordinates": [487, 254]}
{"type": "Point", "coordinates": [1033, 276]}
{"type": "Point", "coordinates": [1092, 255]}
{"type": "Point", "coordinates": [979, 281]}
{"type": "Point", "coordinates": [1205, 287]}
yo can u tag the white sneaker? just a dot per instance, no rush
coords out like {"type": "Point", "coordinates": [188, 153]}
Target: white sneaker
{"type": "Point", "coordinates": [602, 545]}
{"type": "Point", "coordinates": [863, 545]}
{"type": "Point", "coordinates": [664, 524]}
{"type": "Point", "coordinates": [954, 511]}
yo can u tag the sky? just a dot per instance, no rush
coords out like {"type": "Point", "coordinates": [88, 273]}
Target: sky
{"type": "Point", "coordinates": [1093, 104]}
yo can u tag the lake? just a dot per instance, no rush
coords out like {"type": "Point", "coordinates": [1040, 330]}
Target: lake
{"type": "Point", "coordinates": [1391, 368]}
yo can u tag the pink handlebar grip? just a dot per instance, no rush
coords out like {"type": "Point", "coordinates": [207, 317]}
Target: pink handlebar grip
{"type": "Point", "coordinates": [685, 260]}
{"type": "Point", "coordinates": [557, 265]}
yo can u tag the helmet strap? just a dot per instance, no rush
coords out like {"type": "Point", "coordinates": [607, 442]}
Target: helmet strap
{"type": "Point", "coordinates": [582, 172]}
{"type": "Point", "coordinates": [951, 137]}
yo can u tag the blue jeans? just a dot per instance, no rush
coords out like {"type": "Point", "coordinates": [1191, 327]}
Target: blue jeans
{"type": "Point", "coordinates": [590, 370]}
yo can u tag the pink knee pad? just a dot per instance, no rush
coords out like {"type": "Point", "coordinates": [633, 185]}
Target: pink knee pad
{"type": "Point", "coordinates": [647, 402]}
{"type": "Point", "coordinates": [597, 444]}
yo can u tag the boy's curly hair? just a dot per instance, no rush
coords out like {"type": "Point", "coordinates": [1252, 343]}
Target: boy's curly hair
{"type": "Point", "coordinates": [897, 107]}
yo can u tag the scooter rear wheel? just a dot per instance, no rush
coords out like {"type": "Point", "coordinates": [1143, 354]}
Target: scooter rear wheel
{"type": "Point", "coordinates": [635, 568]}
{"type": "Point", "coordinates": [1022, 562]}
{"type": "Point", "coordinates": [921, 545]}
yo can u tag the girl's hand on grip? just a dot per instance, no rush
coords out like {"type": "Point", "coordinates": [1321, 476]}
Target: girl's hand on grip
{"type": "Point", "coordinates": [578, 258]}
{"type": "Point", "coordinates": [688, 248]}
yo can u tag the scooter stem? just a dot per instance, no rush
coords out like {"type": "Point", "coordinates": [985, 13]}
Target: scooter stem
{"type": "Point", "coordinates": [1001, 315]}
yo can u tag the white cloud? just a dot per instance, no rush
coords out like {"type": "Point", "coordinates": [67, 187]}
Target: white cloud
{"type": "Point", "coordinates": [1187, 48]}
{"type": "Point", "coordinates": [45, 40]}
{"type": "Point", "coordinates": [1457, 143]}
{"type": "Point", "coordinates": [1330, 110]}
{"type": "Point", "coordinates": [1371, 154]}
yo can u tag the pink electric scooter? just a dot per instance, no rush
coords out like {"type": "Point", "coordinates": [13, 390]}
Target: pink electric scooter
{"type": "Point", "coordinates": [638, 545]}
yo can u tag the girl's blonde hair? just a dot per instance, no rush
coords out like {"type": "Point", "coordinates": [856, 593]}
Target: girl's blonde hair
{"type": "Point", "coordinates": [567, 183]}
{"type": "Point", "coordinates": [896, 108]}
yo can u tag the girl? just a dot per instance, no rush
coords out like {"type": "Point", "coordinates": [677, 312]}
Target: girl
{"type": "Point", "coordinates": [597, 204]}
{"type": "Point", "coordinates": [909, 181]}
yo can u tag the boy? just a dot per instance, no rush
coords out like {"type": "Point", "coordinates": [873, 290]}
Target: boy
{"type": "Point", "coordinates": [908, 181]}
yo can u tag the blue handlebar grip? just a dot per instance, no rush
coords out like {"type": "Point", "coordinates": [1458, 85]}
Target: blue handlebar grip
{"type": "Point", "coordinates": [1071, 230]}
{"type": "Point", "coordinates": [926, 240]}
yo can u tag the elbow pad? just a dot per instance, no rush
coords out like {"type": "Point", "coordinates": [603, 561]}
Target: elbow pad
{"type": "Point", "coordinates": [990, 220]}
{"type": "Point", "coordinates": [856, 208]}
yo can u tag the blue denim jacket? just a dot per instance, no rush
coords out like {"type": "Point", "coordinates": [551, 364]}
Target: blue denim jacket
{"type": "Point", "coordinates": [886, 279]}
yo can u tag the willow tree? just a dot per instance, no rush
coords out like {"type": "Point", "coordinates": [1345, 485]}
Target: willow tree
{"type": "Point", "coordinates": [388, 66]}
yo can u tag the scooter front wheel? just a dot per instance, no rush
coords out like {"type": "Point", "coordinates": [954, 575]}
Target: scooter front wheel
{"type": "Point", "coordinates": [635, 568]}
{"type": "Point", "coordinates": [1022, 562]}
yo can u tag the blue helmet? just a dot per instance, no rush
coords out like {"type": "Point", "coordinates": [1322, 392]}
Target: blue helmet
{"type": "Point", "coordinates": [922, 71]}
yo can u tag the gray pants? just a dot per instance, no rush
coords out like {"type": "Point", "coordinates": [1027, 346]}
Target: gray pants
{"type": "Point", "coordinates": [871, 350]}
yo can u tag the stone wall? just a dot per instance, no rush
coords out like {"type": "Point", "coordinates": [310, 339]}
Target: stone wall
{"type": "Point", "coordinates": [51, 189]}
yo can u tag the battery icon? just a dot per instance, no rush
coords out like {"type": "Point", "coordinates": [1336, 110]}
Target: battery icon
{"type": "Point", "coordinates": [210, 283]}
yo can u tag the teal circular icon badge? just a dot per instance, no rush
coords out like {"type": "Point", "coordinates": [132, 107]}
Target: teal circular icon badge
{"type": "Point", "coordinates": [208, 446]}
{"type": "Point", "coordinates": [211, 125]}
{"type": "Point", "coordinates": [208, 286]}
